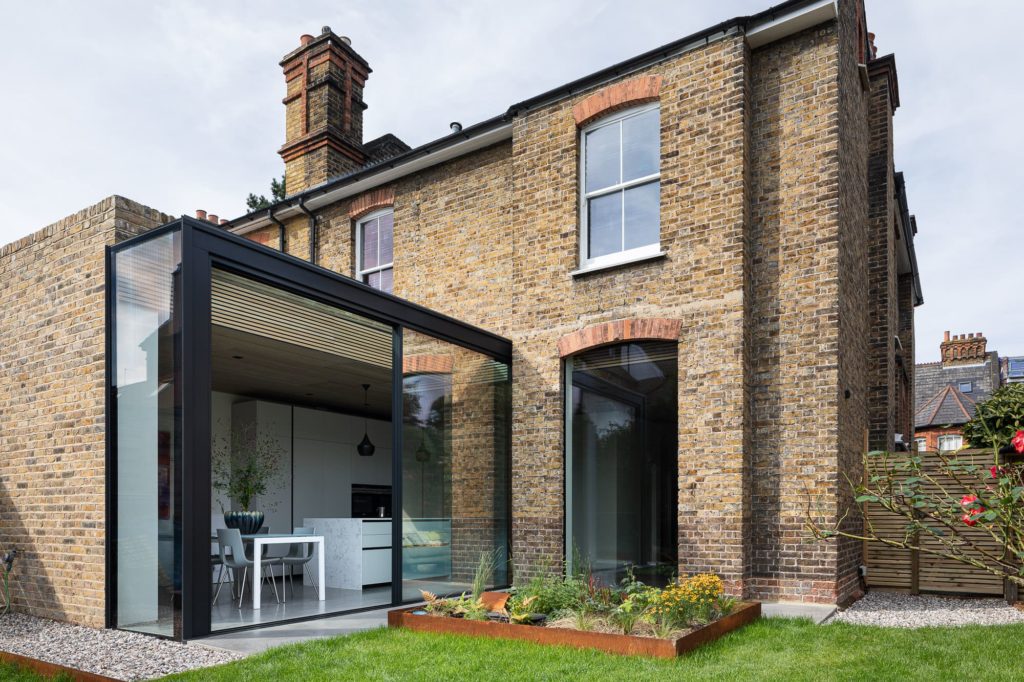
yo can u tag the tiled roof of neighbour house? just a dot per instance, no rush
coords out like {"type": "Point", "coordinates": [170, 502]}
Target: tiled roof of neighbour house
{"type": "Point", "coordinates": [948, 406]}
{"type": "Point", "coordinates": [938, 398]}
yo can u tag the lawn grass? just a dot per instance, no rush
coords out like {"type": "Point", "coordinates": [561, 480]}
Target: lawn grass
{"type": "Point", "coordinates": [769, 649]}
{"type": "Point", "coordinates": [14, 673]}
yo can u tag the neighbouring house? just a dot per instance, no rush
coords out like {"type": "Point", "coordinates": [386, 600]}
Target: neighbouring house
{"type": "Point", "coordinates": [1011, 370]}
{"type": "Point", "coordinates": [946, 392]}
{"type": "Point", "coordinates": [629, 322]}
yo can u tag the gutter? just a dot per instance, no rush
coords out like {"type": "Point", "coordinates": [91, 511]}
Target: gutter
{"type": "Point", "coordinates": [758, 29]}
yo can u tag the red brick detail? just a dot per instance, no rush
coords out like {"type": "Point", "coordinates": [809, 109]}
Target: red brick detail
{"type": "Point", "coordinates": [618, 96]}
{"type": "Point", "coordinates": [645, 328]}
{"type": "Point", "coordinates": [427, 364]}
{"type": "Point", "coordinates": [371, 201]}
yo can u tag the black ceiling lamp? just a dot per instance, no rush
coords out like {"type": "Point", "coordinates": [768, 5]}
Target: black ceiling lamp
{"type": "Point", "coordinates": [365, 447]}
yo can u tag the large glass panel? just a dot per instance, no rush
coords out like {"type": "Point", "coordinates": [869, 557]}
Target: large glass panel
{"type": "Point", "coordinates": [289, 418]}
{"type": "Point", "coordinates": [622, 462]}
{"type": "Point", "coordinates": [455, 467]}
{"type": "Point", "coordinates": [148, 450]}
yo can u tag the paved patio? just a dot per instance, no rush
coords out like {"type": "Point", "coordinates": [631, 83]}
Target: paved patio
{"type": "Point", "coordinates": [255, 641]}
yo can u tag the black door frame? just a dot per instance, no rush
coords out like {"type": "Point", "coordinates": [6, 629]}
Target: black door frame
{"type": "Point", "coordinates": [204, 247]}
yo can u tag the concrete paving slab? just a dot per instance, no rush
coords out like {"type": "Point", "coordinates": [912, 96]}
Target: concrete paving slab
{"type": "Point", "coordinates": [818, 613]}
{"type": "Point", "coordinates": [255, 641]}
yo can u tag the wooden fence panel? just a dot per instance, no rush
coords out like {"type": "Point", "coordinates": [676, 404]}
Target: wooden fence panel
{"type": "Point", "coordinates": [904, 570]}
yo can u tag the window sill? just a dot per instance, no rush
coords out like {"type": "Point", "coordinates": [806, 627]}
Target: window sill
{"type": "Point", "coordinates": [632, 260]}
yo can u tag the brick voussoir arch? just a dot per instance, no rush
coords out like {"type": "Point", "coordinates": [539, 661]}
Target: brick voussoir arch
{"type": "Point", "coordinates": [371, 201]}
{"type": "Point", "coordinates": [618, 96]}
{"type": "Point", "coordinates": [605, 333]}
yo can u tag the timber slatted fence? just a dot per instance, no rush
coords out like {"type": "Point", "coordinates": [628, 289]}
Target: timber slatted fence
{"type": "Point", "coordinates": [918, 571]}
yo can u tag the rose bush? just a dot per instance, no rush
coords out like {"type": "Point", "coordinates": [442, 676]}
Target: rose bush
{"type": "Point", "coordinates": [982, 509]}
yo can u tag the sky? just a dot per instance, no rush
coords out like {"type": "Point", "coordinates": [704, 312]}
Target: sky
{"type": "Point", "coordinates": [177, 105]}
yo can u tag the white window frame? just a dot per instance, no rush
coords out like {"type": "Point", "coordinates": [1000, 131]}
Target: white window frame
{"type": "Point", "coordinates": [362, 274]}
{"type": "Point", "coordinates": [629, 255]}
{"type": "Point", "coordinates": [921, 443]}
{"type": "Point", "coordinates": [956, 438]}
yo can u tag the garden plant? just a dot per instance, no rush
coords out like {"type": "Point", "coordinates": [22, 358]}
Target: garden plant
{"type": "Point", "coordinates": [579, 601]}
{"type": "Point", "coordinates": [967, 511]}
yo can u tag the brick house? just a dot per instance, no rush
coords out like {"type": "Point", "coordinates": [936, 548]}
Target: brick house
{"type": "Point", "coordinates": [948, 391]}
{"type": "Point", "coordinates": [629, 321]}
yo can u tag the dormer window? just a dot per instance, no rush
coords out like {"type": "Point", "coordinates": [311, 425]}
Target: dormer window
{"type": "Point", "coordinates": [620, 164]}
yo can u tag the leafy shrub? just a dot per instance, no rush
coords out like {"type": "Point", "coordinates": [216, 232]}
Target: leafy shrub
{"type": "Point", "coordinates": [997, 419]}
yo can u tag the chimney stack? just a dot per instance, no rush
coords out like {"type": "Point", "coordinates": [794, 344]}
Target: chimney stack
{"type": "Point", "coordinates": [963, 349]}
{"type": "Point", "coordinates": [323, 110]}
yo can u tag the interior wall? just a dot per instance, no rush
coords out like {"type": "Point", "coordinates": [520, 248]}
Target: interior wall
{"type": "Point", "coordinates": [321, 465]}
{"type": "Point", "coordinates": [327, 464]}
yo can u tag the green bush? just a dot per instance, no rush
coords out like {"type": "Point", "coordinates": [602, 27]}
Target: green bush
{"type": "Point", "coordinates": [997, 419]}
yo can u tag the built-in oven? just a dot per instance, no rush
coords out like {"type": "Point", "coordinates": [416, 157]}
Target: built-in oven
{"type": "Point", "coordinates": [371, 501]}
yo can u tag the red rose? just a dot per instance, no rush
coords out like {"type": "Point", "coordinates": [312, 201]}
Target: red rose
{"type": "Point", "coordinates": [969, 520]}
{"type": "Point", "coordinates": [968, 500]}
{"type": "Point", "coordinates": [996, 470]}
{"type": "Point", "coordinates": [1018, 442]}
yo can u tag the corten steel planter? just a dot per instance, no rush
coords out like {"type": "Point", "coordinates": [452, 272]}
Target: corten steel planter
{"type": "Point", "coordinates": [612, 643]}
{"type": "Point", "coordinates": [52, 669]}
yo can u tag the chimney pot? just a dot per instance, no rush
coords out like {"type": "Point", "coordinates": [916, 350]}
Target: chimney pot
{"type": "Point", "coordinates": [305, 39]}
{"type": "Point", "coordinates": [223, 221]}
{"type": "Point", "coordinates": [325, 29]}
{"type": "Point", "coordinates": [945, 336]}
{"type": "Point", "coordinates": [455, 126]}
{"type": "Point", "coordinates": [201, 214]}
{"type": "Point", "coordinates": [346, 40]}
{"type": "Point", "coordinates": [213, 219]}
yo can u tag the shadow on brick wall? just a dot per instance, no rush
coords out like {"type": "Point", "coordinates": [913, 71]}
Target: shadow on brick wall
{"type": "Point", "coordinates": [32, 591]}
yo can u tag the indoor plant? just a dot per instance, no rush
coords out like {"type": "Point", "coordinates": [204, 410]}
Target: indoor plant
{"type": "Point", "coordinates": [243, 468]}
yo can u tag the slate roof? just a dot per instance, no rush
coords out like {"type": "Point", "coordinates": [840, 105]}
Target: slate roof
{"type": "Point", "coordinates": [938, 399]}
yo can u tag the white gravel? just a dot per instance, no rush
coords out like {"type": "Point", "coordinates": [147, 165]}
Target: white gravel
{"type": "Point", "coordinates": [896, 610]}
{"type": "Point", "coordinates": [114, 653]}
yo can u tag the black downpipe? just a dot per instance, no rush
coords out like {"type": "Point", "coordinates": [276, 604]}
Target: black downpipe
{"type": "Point", "coordinates": [312, 230]}
{"type": "Point", "coordinates": [281, 240]}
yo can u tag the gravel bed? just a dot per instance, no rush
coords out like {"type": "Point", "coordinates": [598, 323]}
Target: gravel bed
{"type": "Point", "coordinates": [891, 609]}
{"type": "Point", "coordinates": [114, 653]}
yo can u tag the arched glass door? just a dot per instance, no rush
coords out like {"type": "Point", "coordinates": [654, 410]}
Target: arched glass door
{"type": "Point", "coordinates": [621, 468]}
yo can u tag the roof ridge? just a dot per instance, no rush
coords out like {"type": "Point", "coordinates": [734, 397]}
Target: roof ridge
{"type": "Point", "coordinates": [938, 404]}
{"type": "Point", "coordinates": [957, 395]}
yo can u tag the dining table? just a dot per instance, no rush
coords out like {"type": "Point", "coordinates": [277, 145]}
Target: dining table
{"type": "Point", "coordinates": [261, 540]}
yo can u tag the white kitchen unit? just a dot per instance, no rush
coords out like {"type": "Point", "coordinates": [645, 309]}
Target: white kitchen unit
{"type": "Point", "coordinates": [357, 552]}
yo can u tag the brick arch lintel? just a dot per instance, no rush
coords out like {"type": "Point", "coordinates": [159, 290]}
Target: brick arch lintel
{"type": "Point", "coordinates": [605, 333]}
{"type": "Point", "coordinates": [628, 93]}
{"type": "Point", "coordinates": [371, 201]}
